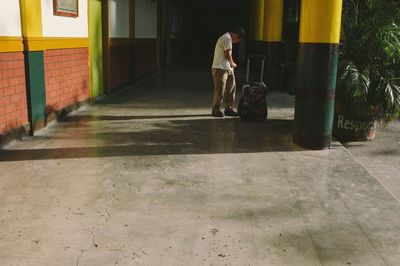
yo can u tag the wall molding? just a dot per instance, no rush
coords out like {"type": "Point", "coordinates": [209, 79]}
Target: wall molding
{"type": "Point", "coordinates": [11, 44]}
{"type": "Point", "coordinates": [48, 43]}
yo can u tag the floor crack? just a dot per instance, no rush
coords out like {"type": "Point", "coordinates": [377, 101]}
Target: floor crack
{"type": "Point", "coordinates": [80, 256]}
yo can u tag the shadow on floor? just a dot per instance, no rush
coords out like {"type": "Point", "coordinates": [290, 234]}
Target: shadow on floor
{"type": "Point", "coordinates": [91, 118]}
{"type": "Point", "coordinates": [193, 136]}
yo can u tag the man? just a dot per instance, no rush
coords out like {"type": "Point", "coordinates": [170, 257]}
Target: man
{"type": "Point", "coordinates": [223, 73]}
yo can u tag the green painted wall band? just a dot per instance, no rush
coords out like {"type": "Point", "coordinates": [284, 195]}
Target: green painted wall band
{"type": "Point", "coordinates": [35, 85]}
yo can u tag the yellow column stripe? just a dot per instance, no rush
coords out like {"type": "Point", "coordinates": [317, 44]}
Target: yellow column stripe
{"type": "Point", "coordinates": [320, 21]}
{"type": "Point", "coordinates": [256, 23]}
{"type": "Point", "coordinates": [31, 17]}
{"type": "Point", "coordinates": [273, 16]}
{"type": "Point", "coordinates": [11, 44]}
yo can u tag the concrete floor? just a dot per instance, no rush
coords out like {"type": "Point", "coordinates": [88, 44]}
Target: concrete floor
{"type": "Point", "coordinates": [147, 177]}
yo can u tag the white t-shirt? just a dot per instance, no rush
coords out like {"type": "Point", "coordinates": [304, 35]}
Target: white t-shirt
{"type": "Point", "coordinates": [224, 43]}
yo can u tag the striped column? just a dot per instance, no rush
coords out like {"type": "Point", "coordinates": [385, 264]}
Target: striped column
{"type": "Point", "coordinates": [31, 18]}
{"type": "Point", "coordinates": [273, 19]}
{"type": "Point", "coordinates": [317, 68]}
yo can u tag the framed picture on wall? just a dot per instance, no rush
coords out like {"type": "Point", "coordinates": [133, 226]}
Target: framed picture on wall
{"type": "Point", "coordinates": [66, 8]}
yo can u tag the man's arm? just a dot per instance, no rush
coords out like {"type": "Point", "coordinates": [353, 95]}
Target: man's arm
{"type": "Point", "coordinates": [228, 56]}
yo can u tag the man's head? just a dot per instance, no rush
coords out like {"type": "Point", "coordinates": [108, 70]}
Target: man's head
{"type": "Point", "coordinates": [237, 33]}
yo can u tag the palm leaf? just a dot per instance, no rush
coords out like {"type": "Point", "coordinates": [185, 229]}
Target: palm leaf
{"type": "Point", "coordinates": [354, 83]}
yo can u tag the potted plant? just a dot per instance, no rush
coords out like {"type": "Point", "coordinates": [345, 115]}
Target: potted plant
{"type": "Point", "coordinates": [368, 83]}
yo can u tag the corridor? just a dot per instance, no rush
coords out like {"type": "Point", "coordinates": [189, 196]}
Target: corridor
{"type": "Point", "coordinates": [148, 177]}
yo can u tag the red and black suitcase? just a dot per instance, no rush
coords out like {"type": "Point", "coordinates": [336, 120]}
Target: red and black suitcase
{"type": "Point", "coordinates": [253, 102]}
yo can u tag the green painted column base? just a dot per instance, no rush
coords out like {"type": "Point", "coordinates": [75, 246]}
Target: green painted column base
{"type": "Point", "coordinates": [36, 94]}
{"type": "Point", "coordinates": [316, 82]}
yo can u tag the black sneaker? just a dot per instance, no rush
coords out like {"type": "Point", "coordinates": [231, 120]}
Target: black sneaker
{"type": "Point", "coordinates": [230, 112]}
{"type": "Point", "coordinates": [217, 113]}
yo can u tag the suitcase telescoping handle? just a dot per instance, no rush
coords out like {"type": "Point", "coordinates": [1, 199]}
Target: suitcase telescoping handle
{"type": "Point", "coordinates": [249, 57]}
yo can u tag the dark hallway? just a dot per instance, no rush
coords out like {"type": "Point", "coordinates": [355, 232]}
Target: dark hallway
{"type": "Point", "coordinates": [205, 21]}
